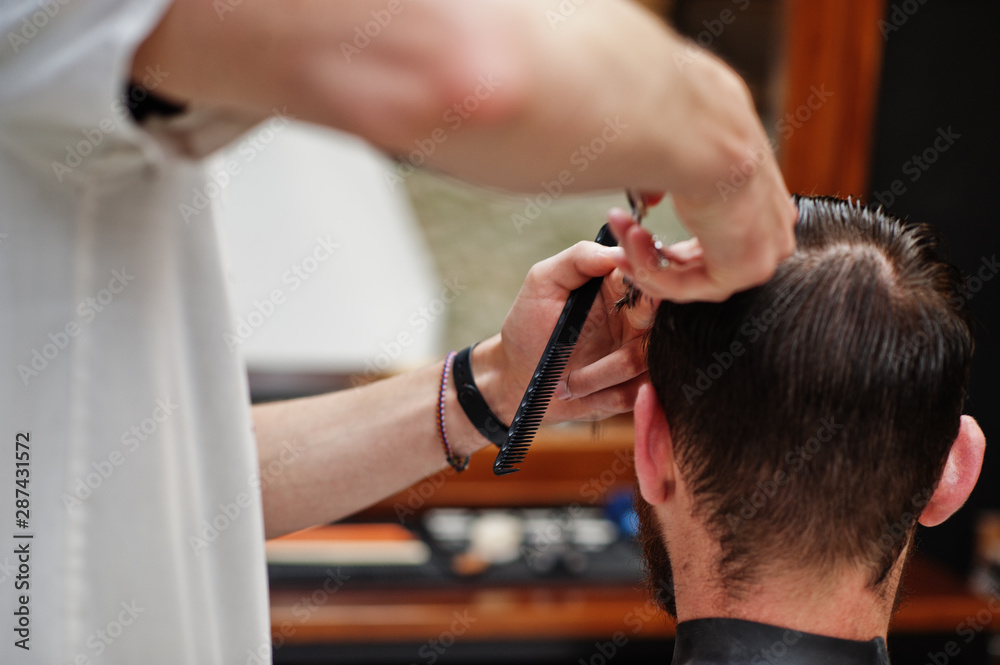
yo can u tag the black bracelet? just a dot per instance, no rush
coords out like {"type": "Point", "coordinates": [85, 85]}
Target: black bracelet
{"type": "Point", "coordinates": [142, 103]}
{"type": "Point", "coordinates": [472, 401]}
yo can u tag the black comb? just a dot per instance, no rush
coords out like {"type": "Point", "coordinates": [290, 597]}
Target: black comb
{"type": "Point", "coordinates": [550, 368]}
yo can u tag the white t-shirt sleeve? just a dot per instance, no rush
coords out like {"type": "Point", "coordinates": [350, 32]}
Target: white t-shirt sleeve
{"type": "Point", "coordinates": [64, 65]}
{"type": "Point", "coordinates": [64, 101]}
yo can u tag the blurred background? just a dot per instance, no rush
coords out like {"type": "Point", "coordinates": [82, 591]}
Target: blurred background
{"type": "Point", "coordinates": [885, 101]}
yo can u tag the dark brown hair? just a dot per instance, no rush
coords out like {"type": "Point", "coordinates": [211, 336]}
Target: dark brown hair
{"type": "Point", "coordinates": [812, 416]}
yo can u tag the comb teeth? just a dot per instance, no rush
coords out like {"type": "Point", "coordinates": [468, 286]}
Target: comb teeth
{"type": "Point", "coordinates": [533, 406]}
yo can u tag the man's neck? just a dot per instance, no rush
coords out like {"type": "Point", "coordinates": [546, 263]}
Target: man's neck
{"type": "Point", "coordinates": [847, 610]}
{"type": "Point", "coordinates": [831, 603]}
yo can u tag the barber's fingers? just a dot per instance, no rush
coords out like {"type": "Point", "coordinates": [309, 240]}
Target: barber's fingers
{"type": "Point", "coordinates": [682, 255]}
{"type": "Point", "coordinates": [617, 368]}
{"type": "Point", "coordinates": [611, 401]}
{"type": "Point", "coordinates": [641, 262]}
{"type": "Point", "coordinates": [573, 267]}
{"type": "Point", "coordinates": [744, 235]}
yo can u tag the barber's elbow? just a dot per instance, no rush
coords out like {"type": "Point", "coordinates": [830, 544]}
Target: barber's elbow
{"type": "Point", "coordinates": [488, 89]}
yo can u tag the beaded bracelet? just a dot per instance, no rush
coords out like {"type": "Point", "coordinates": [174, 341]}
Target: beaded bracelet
{"type": "Point", "coordinates": [455, 461]}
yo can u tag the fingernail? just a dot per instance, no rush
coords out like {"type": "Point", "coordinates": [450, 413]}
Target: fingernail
{"type": "Point", "coordinates": [562, 390]}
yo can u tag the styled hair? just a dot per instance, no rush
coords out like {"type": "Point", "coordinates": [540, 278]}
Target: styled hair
{"type": "Point", "coordinates": [812, 416]}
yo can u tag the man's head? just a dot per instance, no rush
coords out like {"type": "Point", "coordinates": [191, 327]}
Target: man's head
{"type": "Point", "coordinates": [808, 420]}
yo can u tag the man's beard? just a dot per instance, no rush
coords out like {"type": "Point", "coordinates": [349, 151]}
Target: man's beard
{"type": "Point", "coordinates": [659, 578]}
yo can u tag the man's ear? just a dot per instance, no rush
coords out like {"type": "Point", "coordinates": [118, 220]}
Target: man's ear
{"type": "Point", "coordinates": [960, 473]}
{"type": "Point", "coordinates": [654, 448]}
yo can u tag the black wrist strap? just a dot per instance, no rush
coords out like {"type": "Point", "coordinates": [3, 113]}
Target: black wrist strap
{"type": "Point", "coordinates": [472, 400]}
{"type": "Point", "coordinates": [142, 103]}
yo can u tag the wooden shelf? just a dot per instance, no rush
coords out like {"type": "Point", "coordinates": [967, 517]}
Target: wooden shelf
{"type": "Point", "coordinates": [937, 603]}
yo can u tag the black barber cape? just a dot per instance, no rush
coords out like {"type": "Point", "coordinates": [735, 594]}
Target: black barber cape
{"type": "Point", "coordinates": [736, 642]}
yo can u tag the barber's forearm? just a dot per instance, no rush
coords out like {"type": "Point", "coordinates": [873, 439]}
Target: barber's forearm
{"type": "Point", "coordinates": [660, 114]}
{"type": "Point", "coordinates": [610, 98]}
{"type": "Point", "coordinates": [323, 458]}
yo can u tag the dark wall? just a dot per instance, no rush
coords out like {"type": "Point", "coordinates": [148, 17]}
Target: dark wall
{"type": "Point", "coordinates": [940, 84]}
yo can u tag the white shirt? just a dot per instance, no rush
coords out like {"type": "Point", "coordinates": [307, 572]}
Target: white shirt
{"type": "Point", "coordinates": [143, 493]}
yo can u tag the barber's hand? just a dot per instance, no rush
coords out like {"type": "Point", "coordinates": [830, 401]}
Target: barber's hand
{"type": "Point", "coordinates": [740, 236]}
{"type": "Point", "coordinates": [608, 364]}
